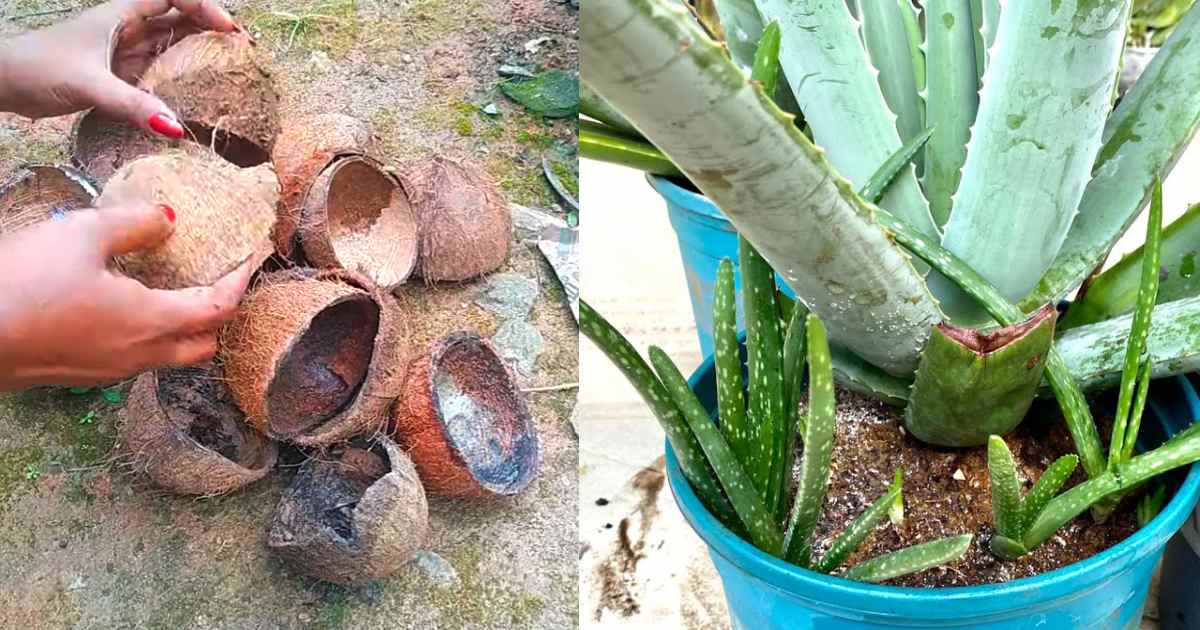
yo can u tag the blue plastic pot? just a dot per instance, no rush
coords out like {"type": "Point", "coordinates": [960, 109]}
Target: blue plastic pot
{"type": "Point", "coordinates": [1179, 590]}
{"type": "Point", "coordinates": [1106, 591]}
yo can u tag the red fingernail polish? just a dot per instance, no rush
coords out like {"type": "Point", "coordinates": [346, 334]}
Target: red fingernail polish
{"type": "Point", "coordinates": [166, 126]}
{"type": "Point", "coordinates": [168, 211]}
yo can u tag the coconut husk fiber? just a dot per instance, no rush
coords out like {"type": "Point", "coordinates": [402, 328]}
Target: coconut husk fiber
{"type": "Point", "coordinates": [357, 216]}
{"type": "Point", "coordinates": [305, 146]}
{"type": "Point", "coordinates": [37, 193]}
{"type": "Point", "coordinates": [181, 428]}
{"type": "Point", "coordinates": [101, 145]}
{"type": "Point", "coordinates": [355, 515]}
{"type": "Point", "coordinates": [221, 93]}
{"type": "Point", "coordinates": [224, 216]}
{"type": "Point", "coordinates": [464, 422]}
{"type": "Point", "coordinates": [315, 357]}
{"type": "Point", "coordinates": [465, 223]}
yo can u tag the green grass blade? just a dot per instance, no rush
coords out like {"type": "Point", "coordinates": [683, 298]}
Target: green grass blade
{"type": "Point", "coordinates": [1045, 489]}
{"type": "Point", "coordinates": [756, 515]}
{"type": "Point", "coordinates": [687, 449]}
{"type": "Point", "coordinates": [883, 31]}
{"type": "Point", "coordinates": [818, 447]}
{"type": "Point", "coordinates": [731, 398]}
{"type": "Point", "coordinates": [597, 142]}
{"type": "Point", "coordinates": [1006, 489]}
{"type": "Point", "coordinates": [849, 540]}
{"type": "Point", "coordinates": [883, 176]}
{"type": "Point", "coordinates": [591, 105]}
{"type": "Point", "coordinates": [952, 99]}
{"type": "Point", "coordinates": [910, 560]}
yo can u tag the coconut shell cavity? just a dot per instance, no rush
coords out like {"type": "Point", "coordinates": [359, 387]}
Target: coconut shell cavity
{"type": "Point", "coordinates": [353, 515]}
{"type": "Point", "coordinates": [39, 193]}
{"type": "Point", "coordinates": [100, 145]}
{"type": "Point", "coordinates": [224, 215]}
{"type": "Point", "coordinates": [314, 357]}
{"type": "Point", "coordinates": [181, 428]}
{"type": "Point", "coordinates": [464, 421]}
{"type": "Point", "coordinates": [465, 223]}
{"type": "Point", "coordinates": [357, 216]}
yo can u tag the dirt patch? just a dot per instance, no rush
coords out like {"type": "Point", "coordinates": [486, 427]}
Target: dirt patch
{"type": "Point", "coordinates": [946, 492]}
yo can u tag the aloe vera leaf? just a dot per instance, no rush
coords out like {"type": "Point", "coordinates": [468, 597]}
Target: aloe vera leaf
{"type": "Point", "coordinates": [836, 86]}
{"type": "Point", "coordinates": [855, 374]}
{"type": "Point", "coordinates": [771, 182]}
{"type": "Point", "coordinates": [1045, 489]}
{"type": "Point", "coordinates": [1181, 450]}
{"type": "Point", "coordinates": [896, 511]}
{"type": "Point", "coordinates": [910, 560]}
{"type": "Point", "coordinates": [818, 448]}
{"type": "Point", "coordinates": [764, 357]}
{"type": "Point", "coordinates": [794, 350]}
{"type": "Point", "coordinates": [1151, 504]}
{"type": "Point", "coordinates": [849, 540]}
{"type": "Point", "coordinates": [1095, 353]}
{"type": "Point", "coordinates": [743, 29]}
{"type": "Point", "coordinates": [1139, 408]}
{"type": "Point", "coordinates": [978, 42]}
{"type": "Point", "coordinates": [912, 32]}
{"type": "Point", "coordinates": [991, 24]}
{"type": "Point", "coordinates": [591, 105]}
{"type": "Point", "coordinates": [1006, 489]}
{"type": "Point", "coordinates": [599, 143]}
{"type": "Point", "coordinates": [1040, 122]}
{"type": "Point", "coordinates": [970, 384]}
{"type": "Point", "coordinates": [766, 59]}
{"type": "Point", "coordinates": [886, 40]}
{"type": "Point", "coordinates": [1115, 291]}
{"type": "Point", "coordinates": [731, 399]}
{"type": "Point", "coordinates": [952, 99]}
{"type": "Point", "coordinates": [756, 515]}
{"type": "Point", "coordinates": [883, 176]}
{"type": "Point", "coordinates": [692, 459]}
{"type": "Point", "coordinates": [1139, 330]}
{"type": "Point", "coordinates": [1006, 548]}
{"type": "Point", "coordinates": [706, 15]}
{"type": "Point", "coordinates": [1151, 127]}
{"type": "Point", "coordinates": [1062, 379]}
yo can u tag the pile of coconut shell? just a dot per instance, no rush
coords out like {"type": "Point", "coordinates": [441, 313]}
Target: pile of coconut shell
{"type": "Point", "coordinates": [317, 357]}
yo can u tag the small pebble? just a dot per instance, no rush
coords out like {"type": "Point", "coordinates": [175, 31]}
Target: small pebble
{"type": "Point", "coordinates": [436, 568]}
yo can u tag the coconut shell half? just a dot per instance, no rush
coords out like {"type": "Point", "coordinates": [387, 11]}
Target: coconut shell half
{"type": "Point", "coordinates": [181, 428]}
{"type": "Point", "coordinates": [222, 95]}
{"type": "Point", "coordinates": [357, 216]}
{"type": "Point", "coordinates": [224, 215]}
{"type": "Point", "coordinates": [100, 145]}
{"type": "Point", "coordinates": [356, 514]}
{"type": "Point", "coordinates": [464, 421]}
{"type": "Point", "coordinates": [315, 357]}
{"type": "Point", "coordinates": [39, 193]}
{"type": "Point", "coordinates": [465, 223]}
{"type": "Point", "coordinates": [305, 146]}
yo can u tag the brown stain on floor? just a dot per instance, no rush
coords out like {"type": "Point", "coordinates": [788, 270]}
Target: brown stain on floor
{"type": "Point", "coordinates": [617, 573]}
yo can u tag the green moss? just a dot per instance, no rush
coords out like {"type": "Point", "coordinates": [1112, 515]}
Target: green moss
{"type": "Point", "coordinates": [13, 463]}
{"type": "Point", "coordinates": [336, 613]}
{"type": "Point", "coordinates": [521, 184]}
{"type": "Point", "coordinates": [567, 176]}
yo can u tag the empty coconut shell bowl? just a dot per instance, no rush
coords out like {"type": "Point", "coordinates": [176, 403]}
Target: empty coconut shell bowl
{"type": "Point", "coordinates": [317, 366]}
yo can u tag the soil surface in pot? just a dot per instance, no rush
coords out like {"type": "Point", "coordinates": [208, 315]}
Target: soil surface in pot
{"type": "Point", "coordinates": [946, 492]}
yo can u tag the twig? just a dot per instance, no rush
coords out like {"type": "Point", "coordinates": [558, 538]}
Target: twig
{"type": "Point", "coordinates": [551, 388]}
{"type": "Point", "coordinates": [25, 16]}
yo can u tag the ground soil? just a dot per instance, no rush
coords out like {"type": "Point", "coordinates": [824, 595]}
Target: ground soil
{"type": "Point", "coordinates": [946, 492]}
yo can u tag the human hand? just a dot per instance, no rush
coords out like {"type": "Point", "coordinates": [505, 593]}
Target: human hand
{"type": "Point", "coordinates": [93, 60]}
{"type": "Point", "coordinates": [65, 319]}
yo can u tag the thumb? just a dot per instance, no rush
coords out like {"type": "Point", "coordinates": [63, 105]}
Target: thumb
{"type": "Point", "coordinates": [127, 228]}
{"type": "Point", "coordinates": [120, 100]}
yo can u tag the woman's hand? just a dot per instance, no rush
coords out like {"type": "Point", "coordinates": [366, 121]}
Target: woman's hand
{"type": "Point", "coordinates": [65, 319]}
{"type": "Point", "coordinates": [94, 59]}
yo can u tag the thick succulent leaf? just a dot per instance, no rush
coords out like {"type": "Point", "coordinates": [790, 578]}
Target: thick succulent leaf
{"type": "Point", "coordinates": [756, 515]}
{"type": "Point", "coordinates": [1151, 504]}
{"type": "Point", "coordinates": [591, 105]}
{"type": "Point", "coordinates": [795, 344]}
{"type": "Point", "coordinates": [1040, 123]}
{"type": "Point", "coordinates": [687, 449]}
{"type": "Point", "coordinates": [970, 384]}
{"type": "Point", "coordinates": [886, 39]}
{"type": "Point", "coordinates": [849, 540]}
{"type": "Point", "coordinates": [598, 142]}
{"type": "Point", "coordinates": [910, 560]}
{"type": "Point", "coordinates": [1139, 408]}
{"type": "Point", "coordinates": [772, 183]}
{"type": "Point", "coordinates": [952, 98]}
{"type": "Point", "coordinates": [1006, 548]}
{"type": "Point", "coordinates": [886, 173]}
{"type": "Point", "coordinates": [743, 29]}
{"type": "Point", "coordinates": [1143, 138]}
{"type": "Point", "coordinates": [731, 397]}
{"type": "Point", "coordinates": [990, 10]}
{"type": "Point", "coordinates": [836, 86]}
{"type": "Point", "coordinates": [1045, 489]}
{"type": "Point", "coordinates": [1006, 489]}
{"type": "Point", "coordinates": [818, 448]}
{"type": "Point", "coordinates": [855, 374]}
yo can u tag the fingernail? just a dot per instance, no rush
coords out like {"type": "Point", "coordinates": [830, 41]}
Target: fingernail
{"type": "Point", "coordinates": [166, 126]}
{"type": "Point", "coordinates": [167, 211]}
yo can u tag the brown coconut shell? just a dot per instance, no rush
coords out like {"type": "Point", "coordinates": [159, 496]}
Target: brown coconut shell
{"type": "Point", "coordinates": [352, 516]}
{"type": "Point", "coordinates": [181, 428]}
{"type": "Point", "coordinates": [357, 216]}
{"type": "Point", "coordinates": [224, 216]}
{"type": "Point", "coordinates": [465, 223]}
{"type": "Point", "coordinates": [37, 193]}
{"type": "Point", "coordinates": [464, 422]}
{"type": "Point", "coordinates": [222, 94]}
{"type": "Point", "coordinates": [100, 145]}
{"type": "Point", "coordinates": [305, 146]}
{"type": "Point", "coordinates": [315, 357]}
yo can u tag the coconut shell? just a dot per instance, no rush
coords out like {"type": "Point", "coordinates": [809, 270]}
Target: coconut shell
{"type": "Point", "coordinates": [222, 95]}
{"type": "Point", "coordinates": [465, 223]}
{"type": "Point", "coordinates": [315, 357]}
{"type": "Point", "coordinates": [305, 146]}
{"type": "Point", "coordinates": [181, 428]}
{"type": "Point", "coordinates": [356, 516]}
{"type": "Point", "coordinates": [224, 216]}
{"type": "Point", "coordinates": [39, 193]}
{"type": "Point", "coordinates": [100, 145]}
{"type": "Point", "coordinates": [464, 422]}
{"type": "Point", "coordinates": [357, 216]}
